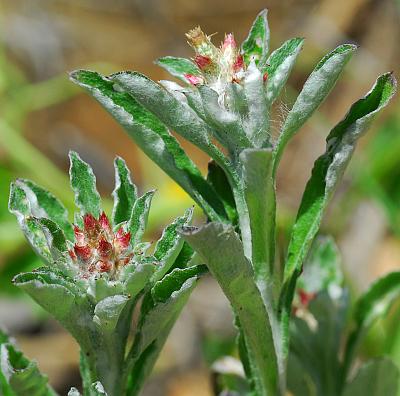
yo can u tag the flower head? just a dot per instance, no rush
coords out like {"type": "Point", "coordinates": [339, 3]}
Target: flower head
{"type": "Point", "coordinates": [98, 249]}
{"type": "Point", "coordinates": [218, 66]}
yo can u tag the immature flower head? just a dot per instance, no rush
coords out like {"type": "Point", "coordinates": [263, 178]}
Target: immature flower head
{"type": "Point", "coordinates": [218, 66]}
{"type": "Point", "coordinates": [97, 249]}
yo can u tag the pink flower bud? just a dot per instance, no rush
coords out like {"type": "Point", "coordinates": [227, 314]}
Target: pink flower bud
{"type": "Point", "coordinates": [79, 236]}
{"type": "Point", "coordinates": [194, 80]}
{"type": "Point", "coordinates": [103, 266]}
{"type": "Point", "coordinates": [229, 41]}
{"type": "Point", "coordinates": [239, 64]}
{"type": "Point", "coordinates": [305, 297]}
{"type": "Point", "coordinates": [122, 239]}
{"type": "Point", "coordinates": [72, 255]}
{"type": "Point", "coordinates": [202, 61]}
{"type": "Point", "coordinates": [90, 223]}
{"type": "Point", "coordinates": [265, 76]}
{"type": "Point", "coordinates": [104, 248]}
{"type": "Point", "coordinates": [104, 222]}
{"type": "Point", "coordinates": [83, 252]}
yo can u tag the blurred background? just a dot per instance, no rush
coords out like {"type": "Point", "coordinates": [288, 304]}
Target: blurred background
{"type": "Point", "coordinates": [43, 115]}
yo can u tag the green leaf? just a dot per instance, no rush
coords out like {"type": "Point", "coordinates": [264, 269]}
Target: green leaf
{"type": "Point", "coordinates": [173, 281]}
{"type": "Point", "coordinates": [125, 192]}
{"type": "Point", "coordinates": [256, 45]}
{"type": "Point", "coordinates": [44, 204]}
{"type": "Point", "coordinates": [83, 183]}
{"type": "Point", "coordinates": [140, 213]}
{"type": "Point", "coordinates": [279, 65]}
{"type": "Point", "coordinates": [57, 246]}
{"type": "Point", "coordinates": [18, 375]}
{"type": "Point", "coordinates": [138, 277]}
{"type": "Point", "coordinates": [222, 251]}
{"type": "Point", "coordinates": [257, 120]}
{"type": "Point", "coordinates": [326, 173]}
{"type": "Point", "coordinates": [377, 377]}
{"type": "Point", "coordinates": [218, 180]}
{"type": "Point", "coordinates": [299, 381]}
{"type": "Point", "coordinates": [153, 138]}
{"type": "Point", "coordinates": [372, 305]}
{"type": "Point", "coordinates": [107, 312]}
{"type": "Point", "coordinates": [226, 125]}
{"type": "Point", "coordinates": [322, 270]}
{"type": "Point", "coordinates": [316, 338]}
{"type": "Point", "coordinates": [160, 309]}
{"type": "Point", "coordinates": [317, 87]}
{"type": "Point", "coordinates": [169, 110]}
{"type": "Point", "coordinates": [170, 244]}
{"type": "Point", "coordinates": [259, 189]}
{"type": "Point", "coordinates": [19, 205]}
{"type": "Point", "coordinates": [63, 300]}
{"type": "Point", "coordinates": [178, 67]}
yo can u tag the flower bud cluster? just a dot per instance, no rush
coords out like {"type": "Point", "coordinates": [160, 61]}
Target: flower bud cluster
{"type": "Point", "coordinates": [98, 248]}
{"type": "Point", "coordinates": [218, 66]}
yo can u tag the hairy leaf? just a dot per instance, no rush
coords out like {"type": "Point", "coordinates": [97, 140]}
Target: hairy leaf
{"type": "Point", "coordinates": [178, 67]}
{"type": "Point", "coordinates": [140, 213]}
{"type": "Point", "coordinates": [20, 206]}
{"type": "Point", "coordinates": [326, 173]}
{"type": "Point", "coordinates": [44, 204]}
{"type": "Point", "coordinates": [125, 192]}
{"type": "Point", "coordinates": [315, 90]}
{"type": "Point", "coordinates": [18, 375]}
{"type": "Point", "coordinates": [259, 189]}
{"type": "Point", "coordinates": [152, 137]}
{"type": "Point", "coordinates": [83, 183]}
{"type": "Point", "coordinates": [222, 252]}
{"type": "Point", "coordinates": [256, 45]}
{"type": "Point", "coordinates": [257, 120]}
{"type": "Point", "coordinates": [279, 65]}
{"type": "Point", "coordinates": [170, 244]}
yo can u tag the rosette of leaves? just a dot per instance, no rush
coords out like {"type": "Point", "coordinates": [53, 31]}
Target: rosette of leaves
{"type": "Point", "coordinates": [97, 271]}
{"type": "Point", "coordinates": [225, 100]}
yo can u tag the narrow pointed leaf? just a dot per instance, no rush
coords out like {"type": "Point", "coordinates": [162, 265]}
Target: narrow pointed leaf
{"type": "Point", "coordinates": [162, 306]}
{"type": "Point", "coordinates": [170, 244]}
{"type": "Point", "coordinates": [125, 192]}
{"type": "Point", "coordinates": [19, 205]}
{"type": "Point", "coordinates": [173, 113]}
{"type": "Point", "coordinates": [257, 120]}
{"type": "Point", "coordinates": [57, 245]}
{"type": "Point", "coordinates": [377, 377]}
{"type": "Point", "coordinates": [256, 45]}
{"type": "Point", "coordinates": [152, 137]}
{"type": "Point", "coordinates": [259, 189]}
{"type": "Point", "coordinates": [326, 173]}
{"type": "Point", "coordinates": [19, 376]}
{"type": "Point", "coordinates": [372, 305]}
{"type": "Point", "coordinates": [317, 87]}
{"type": "Point", "coordinates": [83, 183]}
{"type": "Point", "coordinates": [44, 204]}
{"type": "Point", "coordinates": [140, 213]}
{"type": "Point", "coordinates": [217, 178]}
{"type": "Point", "coordinates": [178, 67]}
{"type": "Point", "coordinates": [279, 65]}
{"type": "Point", "coordinates": [222, 252]}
